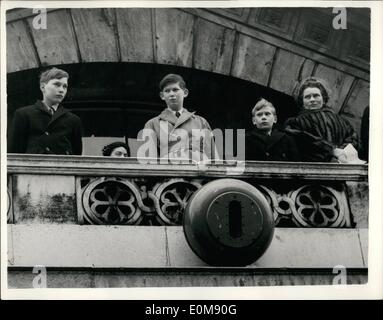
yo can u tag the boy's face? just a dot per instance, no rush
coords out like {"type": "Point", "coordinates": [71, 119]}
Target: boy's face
{"type": "Point", "coordinates": [54, 90]}
{"type": "Point", "coordinates": [174, 96]}
{"type": "Point", "coordinates": [264, 118]}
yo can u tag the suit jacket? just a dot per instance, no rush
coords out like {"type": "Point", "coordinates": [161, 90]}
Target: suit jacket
{"type": "Point", "coordinates": [176, 137]}
{"type": "Point", "coordinates": [34, 130]}
{"type": "Point", "coordinates": [276, 147]}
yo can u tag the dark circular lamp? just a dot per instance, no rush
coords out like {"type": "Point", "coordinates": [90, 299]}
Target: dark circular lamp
{"type": "Point", "coordinates": [228, 222]}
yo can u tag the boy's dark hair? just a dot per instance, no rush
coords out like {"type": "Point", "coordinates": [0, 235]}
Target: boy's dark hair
{"type": "Point", "coordinates": [170, 79]}
{"type": "Point", "coordinates": [313, 82]}
{"type": "Point", "coordinates": [108, 149]}
{"type": "Point", "coordinates": [262, 103]}
{"type": "Point", "coordinates": [53, 73]}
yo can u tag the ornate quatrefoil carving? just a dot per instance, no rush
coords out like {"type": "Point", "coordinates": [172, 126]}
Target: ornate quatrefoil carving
{"type": "Point", "coordinates": [112, 201]}
{"type": "Point", "coordinates": [170, 199]}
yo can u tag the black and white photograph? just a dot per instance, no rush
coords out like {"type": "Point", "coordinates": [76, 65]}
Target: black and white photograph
{"type": "Point", "coordinates": [196, 146]}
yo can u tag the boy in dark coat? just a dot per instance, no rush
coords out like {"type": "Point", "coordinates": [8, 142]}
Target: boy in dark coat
{"type": "Point", "coordinates": [266, 143]}
{"type": "Point", "coordinates": [47, 127]}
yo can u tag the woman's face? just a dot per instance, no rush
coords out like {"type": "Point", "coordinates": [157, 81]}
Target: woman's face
{"type": "Point", "coordinates": [312, 99]}
{"type": "Point", "coordinates": [119, 152]}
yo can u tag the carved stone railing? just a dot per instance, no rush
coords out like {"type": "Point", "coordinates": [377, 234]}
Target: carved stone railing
{"type": "Point", "coordinates": [100, 191]}
{"type": "Point", "coordinates": [111, 200]}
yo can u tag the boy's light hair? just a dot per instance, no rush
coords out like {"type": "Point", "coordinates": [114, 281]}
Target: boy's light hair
{"type": "Point", "coordinates": [262, 104]}
{"type": "Point", "coordinates": [53, 73]}
{"type": "Point", "coordinates": [170, 79]}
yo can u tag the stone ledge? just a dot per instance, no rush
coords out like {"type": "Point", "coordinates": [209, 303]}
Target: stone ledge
{"type": "Point", "coordinates": [106, 166]}
{"type": "Point", "coordinates": [23, 278]}
{"type": "Point", "coordinates": [157, 247]}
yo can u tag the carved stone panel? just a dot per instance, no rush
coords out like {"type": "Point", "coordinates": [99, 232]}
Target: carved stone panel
{"type": "Point", "coordinates": [110, 201]}
{"type": "Point", "coordinates": [309, 206]}
{"type": "Point", "coordinates": [124, 201]}
{"type": "Point", "coordinates": [315, 30]}
{"type": "Point", "coordinates": [281, 205]}
{"type": "Point", "coordinates": [357, 46]}
{"type": "Point", "coordinates": [239, 14]}
{"type": "Point", "coordinates": [170, 199]}
{"type": "Point", "coordinates": [162, 201]}
{"type": "Point", "coordinates": [276, 20]}
{"type": "Point", "coordinates": [318, 206]}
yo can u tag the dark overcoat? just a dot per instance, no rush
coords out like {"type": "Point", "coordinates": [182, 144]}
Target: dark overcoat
{"type": "Point", "coordinates": [277, 146]}
{"type": "Point", "coordinates": [34, 130]}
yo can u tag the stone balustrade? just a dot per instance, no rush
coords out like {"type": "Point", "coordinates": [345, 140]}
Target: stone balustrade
{"type": "Point", "coordinates": [109, 191]}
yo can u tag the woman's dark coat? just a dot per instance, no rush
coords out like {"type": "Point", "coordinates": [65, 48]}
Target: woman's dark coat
{"type": "Point", "coordinates": [318, 132]}
{"type": "Point", "coordinates": [34, 130]}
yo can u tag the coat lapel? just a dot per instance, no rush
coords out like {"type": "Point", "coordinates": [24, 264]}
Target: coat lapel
{"type": "Point", "coordinates": [269, 141]}
{"type": "Point", "coordinates": [185, 116]}
{"type": "Point", "coordinates": [275, 137]}
{"type": "Point", "coordinates": [39, 105]}
{"type": "Point", "coordinates": [60, 111]}
{"type": "Point", "coordinates": [169, 116]}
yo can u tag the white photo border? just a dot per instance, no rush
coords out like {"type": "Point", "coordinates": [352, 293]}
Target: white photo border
{"type": "Point", "coordinates": [372, 290]}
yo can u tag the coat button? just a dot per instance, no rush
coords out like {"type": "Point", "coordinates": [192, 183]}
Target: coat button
{"type": "Point", "coordinates": [267, 154]}
{"type": "Point", "coordinates": [47, 149]}
{"type": "Point", "coordinates": [46, 133]}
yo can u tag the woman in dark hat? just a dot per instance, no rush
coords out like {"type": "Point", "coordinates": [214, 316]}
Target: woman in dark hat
{"type": "Point", "coordinates": [321, 134]}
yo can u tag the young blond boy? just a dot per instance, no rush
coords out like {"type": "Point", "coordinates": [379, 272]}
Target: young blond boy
{"type": "Point", "coordinates": [266, 143]}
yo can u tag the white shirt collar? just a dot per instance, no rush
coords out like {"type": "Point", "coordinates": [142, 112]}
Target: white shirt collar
{"type": "Point", "coordinates": [174, 112]}
{"type": "Point", "coordinates": [55, 107]}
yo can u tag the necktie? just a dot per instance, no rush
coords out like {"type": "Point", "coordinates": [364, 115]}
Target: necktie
{"type": "Point", "coordinates": [178, 114]}
{"type": "Point", "coordinates": [52, 111]}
